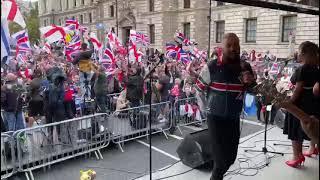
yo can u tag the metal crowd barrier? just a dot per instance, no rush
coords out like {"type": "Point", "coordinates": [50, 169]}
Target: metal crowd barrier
{"type": "Point", "coordinates": [8, 157]}
{"type": "Point", "coordinates": [186, 112]}
{"type": "Point", "coordinates": [44, 145]}
{"type": "Point", "coordinates": [111, 102]}
{"type": "Point", "coordinates": [133, 123]}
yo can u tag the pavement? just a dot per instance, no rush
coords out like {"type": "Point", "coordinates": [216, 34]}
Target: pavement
{"type": "Point", "coordinates": [133, 163]}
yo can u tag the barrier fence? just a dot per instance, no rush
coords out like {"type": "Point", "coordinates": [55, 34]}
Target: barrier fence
{"type": "Point", "coordinates": [133, 123]}
{"type": "Point", "coordinates": [186, 112]}
{"type": "Point", "coordinates": [47, 144]}
{"type": "Point", "coordinates": [44, 145]}
{"type": "Point", "coordinates": [8, 158]}
{"type": "Point", "coordinates": [111, 102]}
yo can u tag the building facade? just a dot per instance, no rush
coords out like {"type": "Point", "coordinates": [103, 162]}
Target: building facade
{"type": "Point", "coordinates": [258, 28]}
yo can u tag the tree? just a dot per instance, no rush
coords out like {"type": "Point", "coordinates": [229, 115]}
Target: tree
{"type": "Point", "coordinates": [32, 21]}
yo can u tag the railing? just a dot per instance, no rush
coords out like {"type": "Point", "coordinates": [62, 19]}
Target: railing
{"type": "Point", "coordinates": [8, 157]}
{"type": "Point", "coordinates": [133, 123]}
{"type": "Point", "coordinates": [186, 112]}
{"type": "Point", "coordinates": [47, 144]}
{"type": "Point", "coordinates": [111, 102]}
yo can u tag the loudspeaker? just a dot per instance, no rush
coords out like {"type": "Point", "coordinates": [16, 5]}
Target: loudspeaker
{"type": "Point", "coordinates": [195, 150]}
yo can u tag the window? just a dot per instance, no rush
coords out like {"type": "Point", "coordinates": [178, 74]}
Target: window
{"type": "Point", "coordinates": [288, 25]}
{"type": "Point", "coordinates": [186, 4]}
{"type": "Point", "coordinates": [251, 30]}
{"type": "Point", "coordinates": [186, 30]}
{"type": "Point", "coordinates": [82, 2]}
{"type": "Point", "coordinates": [151, 5]}
{"type": "Point", "coordinates": [60, 5]}
{"type": "Point", "coordinates": [90, 18]}
{"type": "Point", "coordinates": [67, 5]}
{"type": "Point", "coordinates": [73, 17]}
{"type": "Point", "coordinates": [45, 5]}
{"type": "Point", "coordinates": [219, 3]}
{"type": "Point", "coordinates": [111, 11]}
{"type": "Point", "coordinates": [152, 33]}
{"type": "Point", "coordinates": [112, 29]}
{"type": "Point", "coordinates": [45, 22]}
{"type": "Point", "coordinates": [75, 3]}
{"type": "Point", "coordinates": [81, 19]}
{"type": "Point", "coordinates": [60, 22]}
{"type": "Point", "coordinates": [219, 31]}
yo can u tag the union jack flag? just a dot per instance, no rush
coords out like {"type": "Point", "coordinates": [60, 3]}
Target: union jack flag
{"type": "Point", "coordinates": [172, 50]}
{"type": "Point", "coordinates": [170, 46]}
{"type": "Point", "coordinates": [22, 39]}
{"type": "Point", "coordinates": [109, 54]}
{"type": "Point", "coordinates": [72, 24]}
{"type": "Point", "coordinates": [73, 47]}
{"type": "Point", "coordinates": [141, 38]}
{"type": "Point", "coordinates": [113, 40]}
{"type": "Point", "coordinates": [183, 56]}
{"type": "Point", "coordinates": [171, 54]}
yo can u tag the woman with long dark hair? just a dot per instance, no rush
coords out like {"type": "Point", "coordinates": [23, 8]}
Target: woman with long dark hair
{"type": "Point", "coordinates": [304, 78]}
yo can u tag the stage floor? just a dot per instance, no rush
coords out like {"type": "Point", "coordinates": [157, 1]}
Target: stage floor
{"type": "Point", "coordinates": [134, 161]}
{"type": "Point", "coordinates": [276, 170]}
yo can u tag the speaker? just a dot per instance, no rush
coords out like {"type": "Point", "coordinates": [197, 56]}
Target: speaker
{"type": "Point", "coordinates": [195, 150]}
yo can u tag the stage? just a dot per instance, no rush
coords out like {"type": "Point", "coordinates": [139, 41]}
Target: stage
{"type": "Point", "coordinates": [133, 163]}
{"type": "Point", "coordinates": [276, 170]}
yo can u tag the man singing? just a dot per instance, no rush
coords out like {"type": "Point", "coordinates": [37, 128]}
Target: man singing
{"type": "Point", "coordinates": [221, 85]}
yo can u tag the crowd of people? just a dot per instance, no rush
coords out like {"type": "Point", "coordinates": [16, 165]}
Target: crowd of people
{"type": "Point", "coordinates": [48, 87]}
{"type": "Point", "coordinates": [53, 90]}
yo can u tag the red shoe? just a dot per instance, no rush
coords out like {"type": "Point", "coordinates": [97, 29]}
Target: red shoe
{"type": "Point", "coordinates": [309, 154]}
{"type": "Point", "coordinates": [296, 163]}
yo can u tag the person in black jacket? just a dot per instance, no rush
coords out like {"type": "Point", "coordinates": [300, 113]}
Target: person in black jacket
{"type": "Point", "coordinates": [224, 83]}
{"type": "Point", "coordinates": [11, 102]}
{"type": "Point", "coordinates": [54, 98]}
{"type": "Point", "coordinates": [135, 86]}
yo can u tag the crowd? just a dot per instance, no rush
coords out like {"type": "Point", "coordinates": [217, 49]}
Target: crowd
{"type": "Point", "coordinates": [49, 89]}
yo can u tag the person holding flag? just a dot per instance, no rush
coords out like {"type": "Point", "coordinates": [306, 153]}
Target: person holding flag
{"type": "Point", "coordinates": [83, 60]}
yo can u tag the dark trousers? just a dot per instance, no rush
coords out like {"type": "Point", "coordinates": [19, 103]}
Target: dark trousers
{"type": "Point", "coordinates": [102, 102]}
{"type": "Point", "coordinates": [225, 135]}
{"type": "Point", "coordinates": [69, 109]}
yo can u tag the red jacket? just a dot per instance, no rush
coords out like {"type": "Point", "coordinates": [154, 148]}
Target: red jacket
{"type": "Point", "coordinates": [68, 96]}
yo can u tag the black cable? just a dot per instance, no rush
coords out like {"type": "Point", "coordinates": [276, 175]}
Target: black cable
{"type": "Point", "coordinates": [158, 170]}
{"type": "Point", "coordinates": [176, 174]}
{"type": "Point", "coordinates": [257, 167]}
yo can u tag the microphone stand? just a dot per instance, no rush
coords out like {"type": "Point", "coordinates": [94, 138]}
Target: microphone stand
{"type": "Point", "coordinates": [149, 75]}
{"type": "Point", "coordinates": [267, 117]}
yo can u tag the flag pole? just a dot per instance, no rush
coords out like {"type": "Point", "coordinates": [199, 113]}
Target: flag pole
{"type": "Point", "coordinates": [209, 39]}
{"type": "Point", "coordinates": [117, 22]}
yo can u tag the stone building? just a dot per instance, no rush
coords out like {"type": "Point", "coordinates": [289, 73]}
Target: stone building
{"type": "Point", "coordinates": [258, 28]}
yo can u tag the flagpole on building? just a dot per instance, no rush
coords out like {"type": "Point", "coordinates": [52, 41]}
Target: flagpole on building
{"type": "Point", "coordinates": [209, 39]}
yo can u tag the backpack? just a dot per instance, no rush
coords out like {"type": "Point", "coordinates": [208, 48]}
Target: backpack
{"type": "Point", "coordinates": [54, 96]}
